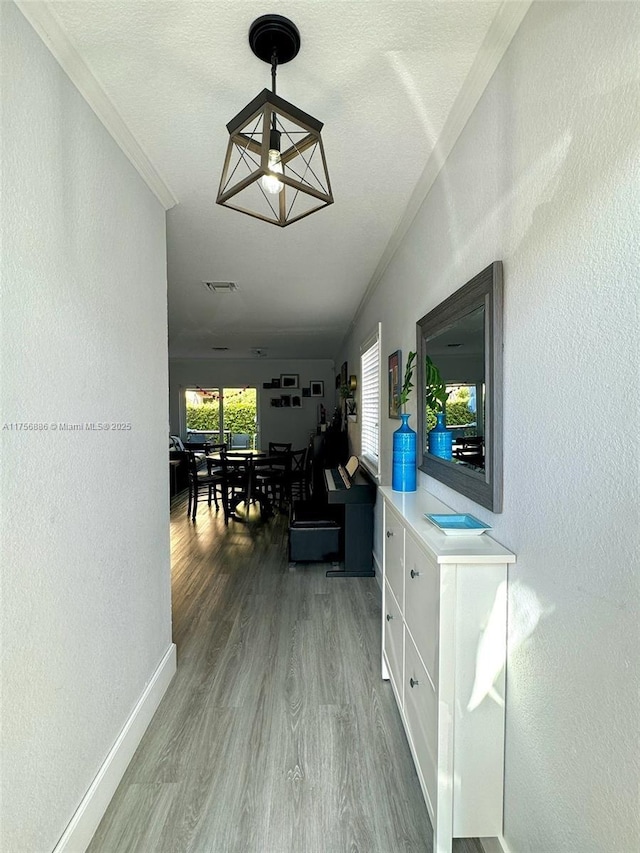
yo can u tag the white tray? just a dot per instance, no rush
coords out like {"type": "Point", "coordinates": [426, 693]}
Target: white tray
{"type": "Point", "coordinates": [454, 524]}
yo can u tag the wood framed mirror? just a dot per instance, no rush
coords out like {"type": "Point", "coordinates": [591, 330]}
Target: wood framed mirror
{"type": "Point", "coordinates": [463, 338]}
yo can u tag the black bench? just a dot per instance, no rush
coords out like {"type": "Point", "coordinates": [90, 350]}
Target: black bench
{"type": "Point", "coordinates": [314, 533]}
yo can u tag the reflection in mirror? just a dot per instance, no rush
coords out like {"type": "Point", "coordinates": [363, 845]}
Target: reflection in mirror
{"type": "Point", "coordinates": [458, 353]}
{"type": "Point", "coordinates": [462, 446]}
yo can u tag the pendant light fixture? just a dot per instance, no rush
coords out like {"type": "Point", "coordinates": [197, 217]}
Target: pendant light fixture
{"type": "Point", "coordinates": [274, 168]}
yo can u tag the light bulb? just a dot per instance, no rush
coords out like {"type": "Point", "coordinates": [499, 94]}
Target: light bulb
{"type": "Point", "coordinates": [270, 183]}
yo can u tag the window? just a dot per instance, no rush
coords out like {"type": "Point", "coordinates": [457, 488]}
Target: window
{"type": "Point", "coordinates": [370, 402]}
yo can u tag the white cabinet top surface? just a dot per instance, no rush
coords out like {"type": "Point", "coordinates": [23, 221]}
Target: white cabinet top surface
{"type": "Point", "coordinates": [412, 506]}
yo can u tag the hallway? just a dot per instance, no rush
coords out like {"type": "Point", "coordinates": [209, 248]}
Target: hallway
{"type": "Point", "coordinates": [277, 734]}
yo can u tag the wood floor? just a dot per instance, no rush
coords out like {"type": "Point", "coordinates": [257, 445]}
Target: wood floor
{"type": "Point", "coordinates": [277, 734]}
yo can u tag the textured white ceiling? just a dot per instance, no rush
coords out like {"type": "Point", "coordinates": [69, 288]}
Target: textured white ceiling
{"type": "Point", "coordinates": [382, 76]}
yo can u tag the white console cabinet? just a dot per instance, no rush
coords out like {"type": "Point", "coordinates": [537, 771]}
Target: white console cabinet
{"type": "Point", "coordinates": [444, 612]}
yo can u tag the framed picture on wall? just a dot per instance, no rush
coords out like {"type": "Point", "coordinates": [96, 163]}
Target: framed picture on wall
{"type": "Point", "coordinates": [343, 373]}
{"type": "Point", "coordinates": [286, 399]}
{"type": "Point", "coordinates": [395, 384]}
{"type": "Point", "coordinates": [316, 388]}
{"type": "Point", "coordinates": [296, 402]}
{"type": "Point", "coordinates": [306, 392]}
{"type": "Point", "coordinates": [289, 380]}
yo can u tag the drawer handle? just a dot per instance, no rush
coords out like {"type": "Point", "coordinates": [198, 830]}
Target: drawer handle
{"type": "Point", "coordinates": [389, 534]}
{"type": "Point", "coordinates": [415, 575]}
{"type": "Point", "coordinates": [413, 683]}
{"type": "Point", "coordinates": [389, 617]}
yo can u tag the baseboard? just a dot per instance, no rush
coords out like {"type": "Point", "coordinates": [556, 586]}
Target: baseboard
{"type": "Point", "coordinates": [494, 845]}
{"type": "Point", "coordinates": [83, 824]}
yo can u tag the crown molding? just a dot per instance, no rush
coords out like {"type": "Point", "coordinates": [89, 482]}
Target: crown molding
{"type": "Point", "coordinates": [46, 23]}
{"type": "Point", "coordinates": [498, 38]}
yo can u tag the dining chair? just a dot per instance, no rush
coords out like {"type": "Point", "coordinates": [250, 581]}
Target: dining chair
{"type": "Point", "coordinates": [200, 481]}
{"type": "Point", "coordinates": [279, 447]}
{"type": "Point", "coordinates": [271, 475]}
{"type": "Point", "coordinates": [240, 441]}
{"type": "Point", "coordinates": [236, 472]}
{"type": "Point", "coordinates": [214, 451]}
{"type": "Point", "coordinates": [297, 477]}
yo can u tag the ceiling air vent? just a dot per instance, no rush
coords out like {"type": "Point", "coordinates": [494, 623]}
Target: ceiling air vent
{"type": "Point", "coordinates": [219, 349]}
{"type": "Point", "coordinates": [221, 286]}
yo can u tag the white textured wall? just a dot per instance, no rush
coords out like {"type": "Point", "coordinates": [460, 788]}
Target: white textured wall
{"type": "Point", "coordinates": [293, 425]}
{"type": "Point", "coordinates": [85, 553]}
{"type": "Point", "coordinates": [545, 177]}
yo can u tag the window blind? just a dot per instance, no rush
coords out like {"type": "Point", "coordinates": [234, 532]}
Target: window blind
{"type": "Point", "coordinates": [370, 401]}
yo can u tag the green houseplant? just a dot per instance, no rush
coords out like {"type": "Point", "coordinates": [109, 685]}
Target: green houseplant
{"type": "Point", "coordinates": [407, 385]}
{"type": "Point", "coordinates": [436, 394]}
{"type": "Point", "coordinates": [349, 410]}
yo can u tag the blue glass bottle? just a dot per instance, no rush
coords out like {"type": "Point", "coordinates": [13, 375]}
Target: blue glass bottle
{"type": "Point", "coordinates": [404, 458]}
{"type": "Point", "coordinates": [440, 438]}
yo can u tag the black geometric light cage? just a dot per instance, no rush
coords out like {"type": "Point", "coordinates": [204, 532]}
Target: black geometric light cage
{"type": "Point", "coordinates": [275, 167]}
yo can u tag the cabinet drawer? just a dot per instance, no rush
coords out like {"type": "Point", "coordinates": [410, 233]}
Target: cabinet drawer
{"type": "Point", "coordinates": [394, 554]}
{"type": "Point", "coordinates": [393, 638]}
{"type": "Point", "coordinates": [420, 707]}
{"type": "Point", "coordinates": [422, 603]}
